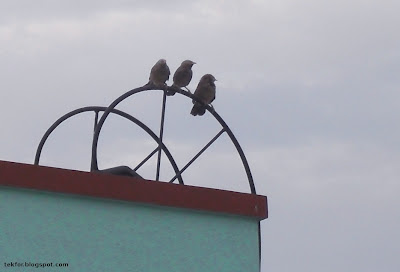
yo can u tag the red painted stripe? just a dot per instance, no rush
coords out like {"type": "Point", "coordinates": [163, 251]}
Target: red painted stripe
{"type": "Point", "coordinates": [131, 189]}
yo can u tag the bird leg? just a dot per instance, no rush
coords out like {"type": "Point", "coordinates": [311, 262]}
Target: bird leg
{"type": "Point", "coordinates": [212, 107]}
{"type": "Point", "coordinates": [188, 90]}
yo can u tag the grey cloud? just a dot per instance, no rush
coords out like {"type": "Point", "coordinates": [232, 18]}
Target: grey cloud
{"type": "Point", "coordinates": [44, 10]}
{"type": "Point", "coordinates": [310, 89]}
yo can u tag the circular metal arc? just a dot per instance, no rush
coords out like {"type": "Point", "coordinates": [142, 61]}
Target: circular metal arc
{"type": "Point", "coordinates": [94, 165]}
{"type": "Point", "coordinates": [231, 136]}
{"type": "Point", "coordinates": [115, 111]}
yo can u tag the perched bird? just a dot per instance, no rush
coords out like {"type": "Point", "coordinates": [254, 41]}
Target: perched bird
{"type": "Point", "coordinates": [159, 73]}
{"type": "Point", "coordinates": [205, 91]}
{"type": "Point", "coordinates": [182, 76]}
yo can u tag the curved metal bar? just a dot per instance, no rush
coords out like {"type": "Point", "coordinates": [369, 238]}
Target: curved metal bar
{"type": "Point", "coordinates": [53, 127]}
{"type": "Point", "coordinates": [231, 136]}
{"type": "Point", "coordinates": [96, 109]}
{"type": "Point", "coordinates": [94, 165]}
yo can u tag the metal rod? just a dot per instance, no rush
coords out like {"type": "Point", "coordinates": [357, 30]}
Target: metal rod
{"type": "Point", "coordinates": [111, 108]}
{"type": "Point", "coordinates": [230, 134]}
{"type": "Point", "coordinates": [147, 158]}
{"type": "Point", "coordinates": [96, 134]}
{"type": "Point", "coordinates": [161, 135]}
{"type": "Point", "coordinates": [198, 154]}
{"type": "Point", "coordinates": [96, 119]}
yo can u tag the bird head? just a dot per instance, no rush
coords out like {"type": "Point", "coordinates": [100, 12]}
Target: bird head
{"type": "Point", "coordinates": [188, 63]}
{"type": "Point", "coordinates": [209, 77]}
{"type": "Point", "coordinates": [162, 61]}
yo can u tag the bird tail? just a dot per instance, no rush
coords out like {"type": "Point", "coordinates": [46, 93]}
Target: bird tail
{"type": "Point", "coordinates": [198, 109]}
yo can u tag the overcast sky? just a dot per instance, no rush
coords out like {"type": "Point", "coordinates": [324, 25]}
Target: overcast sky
{"type": "Point", "coordinates": [310, 89]}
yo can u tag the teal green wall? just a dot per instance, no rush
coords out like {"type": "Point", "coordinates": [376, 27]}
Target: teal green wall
{"type": "Point", "coordinates": [94, 234]}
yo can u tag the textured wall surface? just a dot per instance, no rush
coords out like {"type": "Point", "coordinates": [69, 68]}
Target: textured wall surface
{"type": "Point", "coordinates": [93, 234]}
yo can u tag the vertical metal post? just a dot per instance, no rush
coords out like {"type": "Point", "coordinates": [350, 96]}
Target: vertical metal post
{"type": "Point", "coordinates": [96, 120]}
{"type": "Point", "coordinates": [161, 135]}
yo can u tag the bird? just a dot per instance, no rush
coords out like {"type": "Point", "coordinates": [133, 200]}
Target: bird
{"type": "Point", "coordinates": [205, 92]}
{"type": "Point", "coordinates": [159, 74]}
{"type": "Point", "coordinates": [182, 76]}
